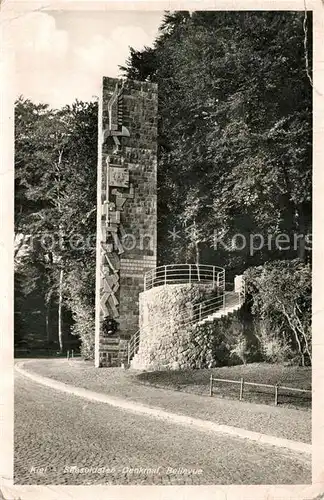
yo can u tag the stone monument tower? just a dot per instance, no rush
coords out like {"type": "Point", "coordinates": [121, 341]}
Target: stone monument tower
{"type": "Point", "coordinates": [126, 209]}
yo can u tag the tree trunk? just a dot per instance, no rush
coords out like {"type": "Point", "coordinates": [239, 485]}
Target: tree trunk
{"type": "Point", "coordinates": [304, 228]}
{"type": "Point", "coordinates": [197, 252]}
{"type": "Point", "coordinates": [48, 304]}
{"type": "Point", "coordinates": [47, 321]}
{"type": "Point", "coordinates": [60, 301]}
{"type": "Point", "coordinates": [294, 330]}
{"type": "Point", "coordinates": [301, 230]}
{"type": "Point", "coordinates": [302, 331]}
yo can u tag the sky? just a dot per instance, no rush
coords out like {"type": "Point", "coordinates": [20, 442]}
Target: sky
{"type": "Point", "coordinates": [62, 55]}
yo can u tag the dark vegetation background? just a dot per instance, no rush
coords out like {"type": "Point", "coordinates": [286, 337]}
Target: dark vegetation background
{"type": "Point", "coordinates": [235, 156]}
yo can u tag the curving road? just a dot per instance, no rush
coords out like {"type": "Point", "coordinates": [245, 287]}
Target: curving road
{"type": "Point", "coordinates": [62, 439]}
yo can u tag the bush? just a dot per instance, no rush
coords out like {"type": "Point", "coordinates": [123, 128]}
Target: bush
{"type": "Point", "coordinates": [273, 348]}
{"type": "Point", "coordinates": [279, 294]}
{"type": "Point", "coordinates": [274, 324]}
{"type": "Point", "coordinates": [240, 349]}
{"type": "Point", "coordinates": [84, 328]}
{"type": "Point", "coordinates": [80, 291]}
{"type": "Point", "coordinates": [226, 341]}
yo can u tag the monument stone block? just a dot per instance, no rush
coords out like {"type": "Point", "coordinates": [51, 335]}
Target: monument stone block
{"type": "Point", "coordinates": [127, 213]}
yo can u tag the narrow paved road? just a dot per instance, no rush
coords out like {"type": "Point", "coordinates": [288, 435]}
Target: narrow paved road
{"type": "Point", "coordinates": [62, 439]}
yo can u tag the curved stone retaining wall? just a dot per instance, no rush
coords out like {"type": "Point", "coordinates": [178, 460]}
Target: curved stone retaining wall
{"type": "Point", "coordinates": [165, 343]}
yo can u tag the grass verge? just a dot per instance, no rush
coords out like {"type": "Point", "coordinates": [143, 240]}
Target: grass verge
{"type": "Point", "coordinates": [197, 382]}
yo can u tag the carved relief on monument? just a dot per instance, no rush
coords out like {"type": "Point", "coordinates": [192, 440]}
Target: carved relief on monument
{"type": "Point", "coordinates": [116, 175]}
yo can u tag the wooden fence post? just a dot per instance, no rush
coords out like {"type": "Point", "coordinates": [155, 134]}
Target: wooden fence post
{"type": "Point", "coordinates": [241, 389]}
{"type": "Point", "coordinates": [276, 394]}
{"type": "Point", "coordinates": [211, 385]}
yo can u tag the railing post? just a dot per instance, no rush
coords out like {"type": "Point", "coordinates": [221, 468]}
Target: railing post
{"type": "Point", "coordinates": [241, 389]}
{"type": "Point", "coordinates": [211, 385]}
{"type": "Point", "coordinates": [128, 355]}
{"type": "Point", "coordinates": [199, 312]}
{"type": "Point", "coordinates": [165, 275]}
{"type": "Point", "coordinates": [137, 337]}
{"type": "Point", "coordinates": [68, 354]}
{"type": "Point", "coordinates": [224, 300]}
{"type": "Point", "coordinates": [190, 274]}
{"type": "Point", "coordinates": [214, 270]}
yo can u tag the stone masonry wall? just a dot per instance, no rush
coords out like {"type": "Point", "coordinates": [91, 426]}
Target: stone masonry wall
{"type": "Point", "coordinates": [128, 127]}
{"type": "Point", "coordinates": [165, 343]}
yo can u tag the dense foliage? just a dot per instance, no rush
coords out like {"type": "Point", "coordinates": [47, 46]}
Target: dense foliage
{"type": "Point", "coordinates": [235, 105]}
{"type": "Point", "coordinates": [55, 216]}
{"type": "Point", "coordinates": [280, 295]}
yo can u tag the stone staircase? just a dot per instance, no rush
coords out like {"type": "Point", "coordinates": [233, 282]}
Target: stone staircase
{"type": "Point", "coordinates": [135, 364]}
{"type": "Point", "coordinates": [232, 302]}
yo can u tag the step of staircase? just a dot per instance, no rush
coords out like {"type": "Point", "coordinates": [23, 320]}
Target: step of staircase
{"type": "Point", "coordinates": [231, 298]}
{"type": "Point", "coordinates": [135, 363]}
{"type": "Point", "coordinates": [232, 303]}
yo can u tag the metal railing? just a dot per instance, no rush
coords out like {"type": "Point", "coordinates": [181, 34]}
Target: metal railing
{"type": "Point", "coordinates": [133, 346]}
{"type": "Point", "coordinates": [185, 273]}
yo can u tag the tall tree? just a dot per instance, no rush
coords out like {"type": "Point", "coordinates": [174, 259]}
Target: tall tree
{"type": "Point", "coordinates": [56, 159]}
{"type": "Point", "coordinates": [235, 112]}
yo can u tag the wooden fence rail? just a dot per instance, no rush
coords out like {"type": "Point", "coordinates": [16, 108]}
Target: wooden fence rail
{"type": "Point", "coordinates": [243, 383]}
